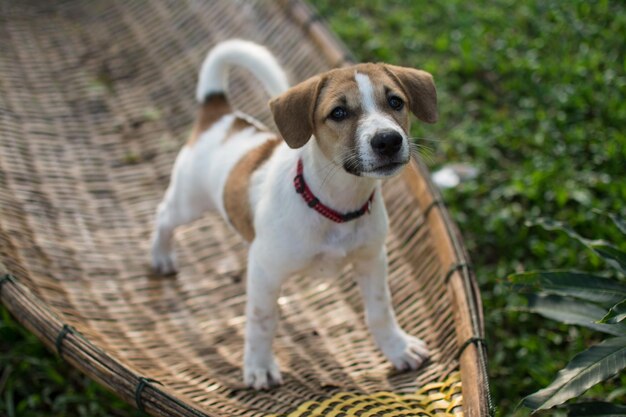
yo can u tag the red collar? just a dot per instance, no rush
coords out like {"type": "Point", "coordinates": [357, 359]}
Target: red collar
{"type": "Point", "coordinates": [312, 201]}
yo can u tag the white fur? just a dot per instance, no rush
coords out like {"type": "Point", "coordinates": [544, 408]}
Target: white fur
{"type": "Point", "coordinates": [290, 237]}
{"type": "Point", "coordinates": [366, 91]}
{"type": "Point", "coordinates": [249, 55]}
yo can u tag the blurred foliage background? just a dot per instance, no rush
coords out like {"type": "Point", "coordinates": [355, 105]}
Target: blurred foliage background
{"type": "Point", "coordinates": [533, 94]}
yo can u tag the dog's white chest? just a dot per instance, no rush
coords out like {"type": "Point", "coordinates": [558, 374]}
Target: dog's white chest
{"type": "Point", "coordinates": [334, 252]}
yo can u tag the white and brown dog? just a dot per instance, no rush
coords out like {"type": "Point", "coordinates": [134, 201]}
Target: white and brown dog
{"type": "Point", "coordinates": [309, 202]}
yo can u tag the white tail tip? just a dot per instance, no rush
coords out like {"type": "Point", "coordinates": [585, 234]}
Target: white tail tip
{"type": "Point", "coordinates": [255, 58]}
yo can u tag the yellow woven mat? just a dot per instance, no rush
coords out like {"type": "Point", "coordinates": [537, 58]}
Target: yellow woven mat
{"type": "Point", "coordinates": [439, 399]}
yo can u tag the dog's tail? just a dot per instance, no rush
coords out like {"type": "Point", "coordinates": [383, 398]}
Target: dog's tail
{"type": "Point", "coordinates": [249, 55]}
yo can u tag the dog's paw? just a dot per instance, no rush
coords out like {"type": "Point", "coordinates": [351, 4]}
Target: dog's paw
{"type": "Point", "coordinates": [163, 263]}
{"type": "Point", "coordinates": [262, 376]}
{"type": "Point", "coordinates": [405, 352]}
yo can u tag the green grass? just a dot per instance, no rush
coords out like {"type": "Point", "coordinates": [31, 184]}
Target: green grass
{"type": "Point", "coordinates": [533, 93]}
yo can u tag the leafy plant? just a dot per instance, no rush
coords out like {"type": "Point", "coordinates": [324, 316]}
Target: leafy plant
{"type": "Point", "coordinates": [583, 299]}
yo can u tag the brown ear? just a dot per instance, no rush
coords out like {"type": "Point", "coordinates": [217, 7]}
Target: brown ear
{"type": "Point", "coordinates": [420, 88]}
{"type": "Point", "coordinates": [293, 111]}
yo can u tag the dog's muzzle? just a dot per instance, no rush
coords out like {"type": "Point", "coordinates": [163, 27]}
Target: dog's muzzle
{"type": "Point", "coordinates": [387, 143]}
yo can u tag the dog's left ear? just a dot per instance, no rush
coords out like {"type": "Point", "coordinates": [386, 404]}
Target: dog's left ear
{"type": "Point", "coordinates": [420, 88]}
{"type": "Point", "coordinates": [294, 110]}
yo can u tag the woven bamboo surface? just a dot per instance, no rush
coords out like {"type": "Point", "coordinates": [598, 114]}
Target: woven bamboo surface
{"type": "Point", "coordinates": [96, 99]}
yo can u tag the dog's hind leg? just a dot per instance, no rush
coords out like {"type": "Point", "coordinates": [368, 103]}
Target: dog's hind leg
{"type": "Point", "coordinates": [168, 218]}
{"type": "Point", "coordinates": [183, 203]}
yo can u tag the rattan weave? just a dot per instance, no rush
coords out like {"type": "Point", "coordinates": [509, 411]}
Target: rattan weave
{"type": "Point", "coordinates": [96, 97]}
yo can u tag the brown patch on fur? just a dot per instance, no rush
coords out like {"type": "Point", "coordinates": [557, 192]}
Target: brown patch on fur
{"type": "Point", "coordinates": [213, 109]}
{"type": "Point", "coordinates": [387, 88]}
{"type": "Point", "coordinates": [236, 189]}
{"type": "Point", "coordinates": [237, 126]}
{"type": "Point", "coordinates": [338, 138]}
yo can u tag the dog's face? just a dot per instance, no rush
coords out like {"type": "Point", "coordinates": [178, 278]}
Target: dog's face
{"type": "Point", "coordinates": [359, 115]}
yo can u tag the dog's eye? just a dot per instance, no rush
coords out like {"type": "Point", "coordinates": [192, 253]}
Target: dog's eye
{"type": "Point", "coordinates": [338, 114]}
{"type": "Point", "coordinates": [395, 102]}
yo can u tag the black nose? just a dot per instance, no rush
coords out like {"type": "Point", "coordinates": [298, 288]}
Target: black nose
{"type": "Point", "coordinates": [387, 143]}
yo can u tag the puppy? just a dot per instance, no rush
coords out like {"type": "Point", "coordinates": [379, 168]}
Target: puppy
{"type": "Point", "coordinates": [309, 200]}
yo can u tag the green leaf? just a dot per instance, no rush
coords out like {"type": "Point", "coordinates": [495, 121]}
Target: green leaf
{"type": "Point", "coordinates": [611, 254]}
{"type": "Point", "coordinates": [596, 409]}
{"type": "Point", "coordinates": [574, 284]}
{"type": "Point", "coordinates": [588, 368]}
{"type": "Point", "coordinates": [619, 222]}
{"type": "Point", "coordinates": [570, 311]}
{"type": "Point", "coordinates": [616, 314]}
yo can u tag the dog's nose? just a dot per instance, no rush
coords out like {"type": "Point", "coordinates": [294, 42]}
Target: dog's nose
{"type": "Point", "coordinates": [387, 143]}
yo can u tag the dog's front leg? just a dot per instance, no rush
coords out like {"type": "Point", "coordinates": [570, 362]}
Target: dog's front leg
{"type": "Point", "coordinates": [263, 289]}
{"type": "Point", "coordinates": [404, 351]}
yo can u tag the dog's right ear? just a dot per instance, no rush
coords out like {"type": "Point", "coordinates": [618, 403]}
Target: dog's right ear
{"type": "Point", "coordinates": [294, 110]}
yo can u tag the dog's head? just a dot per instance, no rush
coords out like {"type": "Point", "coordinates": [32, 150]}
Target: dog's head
{"type": "Point", "coordinates": [359, 115]}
